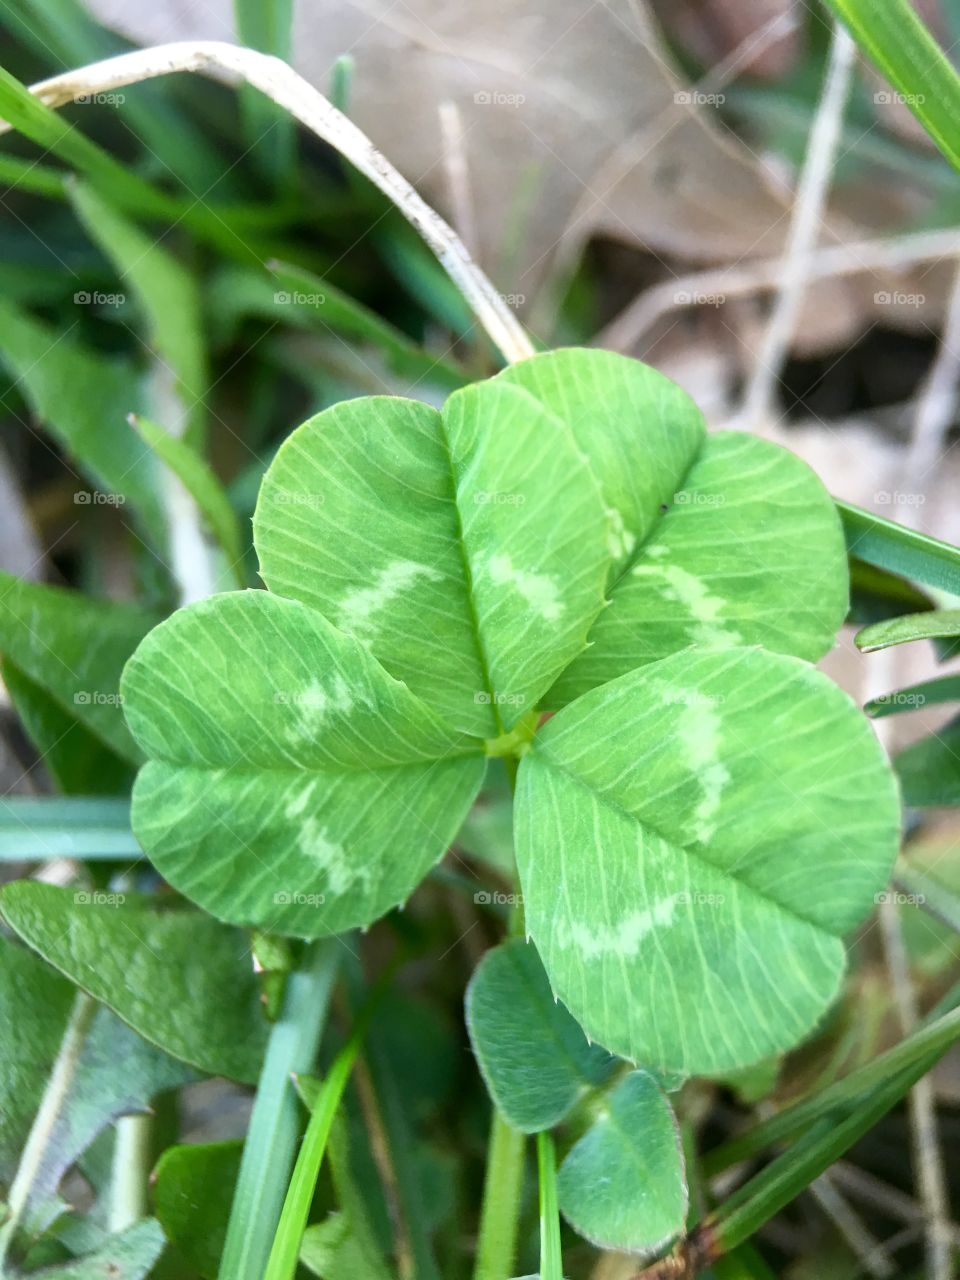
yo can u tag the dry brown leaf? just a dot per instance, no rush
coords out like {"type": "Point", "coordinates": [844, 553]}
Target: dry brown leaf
{"type": "Point", "coordinates": [568, 111]}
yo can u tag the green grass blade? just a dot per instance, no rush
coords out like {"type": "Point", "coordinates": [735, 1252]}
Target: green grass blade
{"type": "Point", "coordinates": [128, 191]}
{"type": "Point", "coordinates": [271, 133]}
{"type": "Point", "coordinates": [890, 546]}
{"type": "Point", "coordinates": [931, 894]}
{"type": "Point", "coordinates": [42, 125]}
{"type": "Point", "coordinates": [928, 693]}
{"type": "Point", "coordinates": [203, 486]}
{"type": "Point", "coordinates": [935, 624]}
{"type": "Point", "coordinates": [551, 1260]}
{"type": "Point", "coordinates": [166, 293]}
{"type": "Point", "coordinates": [893, 35]}
{"type": "Point", "coordinates": [66, 827]}
{"type": "Point", "coordinates": [296, 1207]}
{"type": "Point", "coordinates": [271, 1141]}
{"type": "Point", "coordinates": [37, 179]}
{"type": "Point", "coordinates": [790, 1174]}
{"type": "Point", "coordinates": [321, 306]}
{"type": "Point", "coordinates": [64, 31]}
{"type": "Point", "coordinates": [908, 1060]}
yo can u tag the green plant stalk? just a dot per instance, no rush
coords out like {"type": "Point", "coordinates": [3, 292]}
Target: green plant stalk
{"type": "Point", "coordinates": [499, 1220]}
{"type": "Point", "coordinates": [900, 550]}
{"type": "Point", "coordinates": [58, 1087]}
{"type": "Point", "coordinates": [892, 34]}
{"type": "Point", "coordinates": [130, 1172]}
{"type": "Point", "coordinates": [296, 1207]}
{"type": "Point", "coordinates": [551, 1258]}
{"type": "Point", "coordinates": [503, 1182]}
{"type": "Point", "coordinates": [271, 1141]}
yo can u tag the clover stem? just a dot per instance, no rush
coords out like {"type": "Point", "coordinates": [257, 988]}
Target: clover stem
{"type": "Point", "coordinates": [503, 1182]}
{"type": "Point", "coordinates": [274, 1131]}
{"type": "Point", "coordinates": [497, 1243]}
{"type": "Point", "coordinates": [551, 1259]}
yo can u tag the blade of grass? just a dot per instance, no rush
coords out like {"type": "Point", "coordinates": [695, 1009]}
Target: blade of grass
{"type": "Point", "coordinates": [326, 307]}
{"type": "Point", "coordinates": [266, 25]}
{"type": "Point", "coordinates": [930, 893]}
{"type": "Point", "coordinates": [906, 1061]}
{"type": "Point", "coordinates": [926, 694]}
{"type": "Point", "coordinates": [203, 486]}
{"type": "Point", "coordinates": [37, 179]}
{"type": "Point", "coordinates": [64, 29]}
{"type": "Point", "coordinates": [903, 551]}
{"type": "Point", "coordinates": [282, 1264]}
{"type": "Point", "coordinates": [893, 35]}
{"type": "Point", "coordinates": [934, 624]}
{"type": "Point", "coordinates": [271, 1141]}
{"type": "Point", "coordinates": [66, 827]}
{"type": "Point", "coordinates": [281, 83]}
{"type": "Point", "coordinates": [551, 1259]}
{"type": "Point", "coordinates": [166, 294]}
{"type": "Point", "coordinates": [29, 115]}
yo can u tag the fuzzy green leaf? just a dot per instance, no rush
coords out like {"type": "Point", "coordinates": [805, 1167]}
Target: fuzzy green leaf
{"type": "Point", "coordinates": [622, 1185]}
{"type": "Point", "coordinates": [117, 1073]}
{"type": "Point", "coordinates": [533, 1057]}
{"type": "Point", "coordinates": [35, 1003]}
{"type": "Point", "coordinates": [127, 1256]}
{"type": "Point", "coordinates": [687, 884]}
{"type": "Point", "coordinates": [719, 540]}
{"type": "Point", "coordinates": [466, 549]}
{"type": "Point", "coordinates": [183, 981]}
{"type": "Point", "coordinates": [292, 784]}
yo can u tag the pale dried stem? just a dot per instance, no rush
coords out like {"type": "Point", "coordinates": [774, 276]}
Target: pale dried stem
{"type": "Point", "coordinates": [807, 215]}
{"type": "Point", "coordinates": [890, 253]}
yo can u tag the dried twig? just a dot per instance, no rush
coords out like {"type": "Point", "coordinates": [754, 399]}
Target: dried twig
{"type": "Point", "coordinates": [889, 253]}
{"type": "Point", "coordinates": [804, 228]}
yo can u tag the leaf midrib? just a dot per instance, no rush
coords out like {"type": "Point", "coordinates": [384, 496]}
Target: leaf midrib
{"type": "Point", "coordinates": [612, 803]}
{"type": "Point", "coordinates": [257, 770]}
